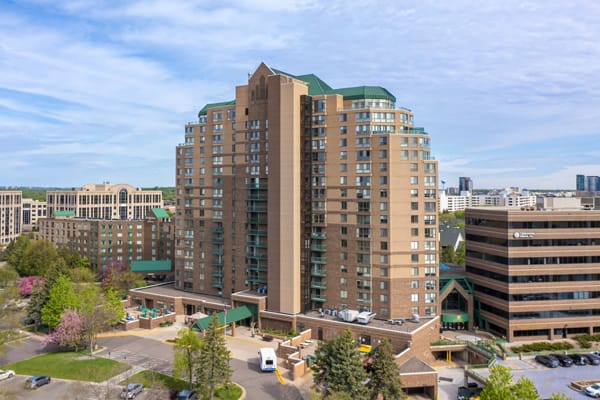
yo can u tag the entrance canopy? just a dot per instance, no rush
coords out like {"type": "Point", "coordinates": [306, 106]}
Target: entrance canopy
{"type": "Point", "coordinates": [233, 315]}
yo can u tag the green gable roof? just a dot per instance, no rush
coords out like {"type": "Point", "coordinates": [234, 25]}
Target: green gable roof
{"type": "Point", "coordinates": [160, 213]}
{"type": "Point", "coordinates": [204, 110]}
{"type": "Point", "coordinates": [64, 213]}
{"type": "Point", "coordinates": [234, 315]}
{"type": "Point", "coordinates": [151, 266]}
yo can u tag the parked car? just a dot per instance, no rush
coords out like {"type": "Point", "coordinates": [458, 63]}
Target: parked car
{"type": "Point", "coordinates": [132, 390]}
{"type": "Point", "coordinates": [565, 360]}
{"type": "Point", "coordinates": [465, 393]}
{"type": "Point", "coordinates": [548, 361]}
{"type": "Point", "coordinates": [579, 359]}
{"type": "Point", "coordinates": [593, 359]}
{"type": "Point", "coordinates": [5, 374]}
{"type": "Point", "coordinates": [186, 395]}
{"type": "Point", "coordinates": [35, 382]}
{"type": "Point", "coordinates": [593, 390]}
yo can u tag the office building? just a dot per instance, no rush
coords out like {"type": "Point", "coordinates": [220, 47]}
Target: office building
{"type": "Point", "coordinates": [10, 216]}
{"type": "Point", "coordinates": [589, 184]}
{"type": "Point", "coordinates": [323, 198]}
{"type": "Point", "coordinates": [104, 201]}
{"type": "Point", "coordinates": [449, 203]}
{"type": "Point", "coordinates": [535, 273]}
{"type": "Point", "coordinates": [32, 210]}
{"type": "Point", "coordinates": [465, 184]}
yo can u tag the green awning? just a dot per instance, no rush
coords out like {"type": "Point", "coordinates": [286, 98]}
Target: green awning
{"type": "Point", "coordinates": [234, 315]}
{"type": "Point", "coordinates": [64, 213]}
{"type": "Point", "coordinates": [460, 317]}
{"type": "Point", "coordinates": [160, 213]}
{"type": "Point", "coordinates": [151, 266]}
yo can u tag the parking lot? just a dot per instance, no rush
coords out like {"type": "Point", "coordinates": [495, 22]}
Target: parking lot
{"type": "Point", "coordinates": [552, 380]}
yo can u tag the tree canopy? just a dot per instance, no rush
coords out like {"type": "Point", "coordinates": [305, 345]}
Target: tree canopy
{"type": "Point", "coordinates": [214, 369]}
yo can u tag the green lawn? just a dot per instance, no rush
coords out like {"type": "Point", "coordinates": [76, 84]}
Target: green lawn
{"type": "Point", "coordinates": [156, 380]}
{"type": "Point", "coordinates": [69, 365]}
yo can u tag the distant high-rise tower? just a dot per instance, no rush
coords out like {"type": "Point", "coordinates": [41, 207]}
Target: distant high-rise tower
{"type": "Point", "coordinates": [327, 197]}
{"type": "Point", "coordinates": [465, 184]}
{"type": "Point", "coordinates": [580, 183]}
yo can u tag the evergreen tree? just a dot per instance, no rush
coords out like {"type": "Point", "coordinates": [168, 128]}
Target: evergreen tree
{"type": "Point", "coordinates": [461, 253]}
{"type": "Point", "coordinates": [214, 369]}
{"type": "Point", "coordinates": [60, 298]}
{"type": "Point", "coordinates": [338, 367]}
{"type": "Point", "coordinates": [385, 377]}
{"type": "Point", "coordinates": [186, 355]}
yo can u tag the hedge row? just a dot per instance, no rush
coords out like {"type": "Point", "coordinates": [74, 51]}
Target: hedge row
{"type": "Point", "coordinates": [584, 340]}
{"type": "Point", "coordinates": [542, 346]}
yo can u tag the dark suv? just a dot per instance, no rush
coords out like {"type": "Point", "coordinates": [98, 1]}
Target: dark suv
{"type": "Point", "coordinates": [548, 361]}
{"type": "Point", "coordinates": [565, 360]}
{"type": "Point", "coordinates": [593, 359]}
{"type": "Point", "coordinates": [579, 359]}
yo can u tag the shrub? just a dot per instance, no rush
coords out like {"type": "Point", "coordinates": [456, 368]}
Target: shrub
{"type": "Point", "coordinates": [584, 340]}
{"type": "Point", "coordinates": [542, 346]}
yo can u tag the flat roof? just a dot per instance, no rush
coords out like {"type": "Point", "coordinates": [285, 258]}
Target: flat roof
{"type": "Point", "coordinates": [168, 290]}
{"type": "Point", "coordinates": [407, 326]}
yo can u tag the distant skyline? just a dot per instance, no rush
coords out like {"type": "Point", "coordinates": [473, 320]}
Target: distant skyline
{"type": "Point", "coordinates": [94, 91]}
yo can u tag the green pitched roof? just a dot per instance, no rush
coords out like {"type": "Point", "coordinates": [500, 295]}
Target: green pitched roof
{"type": "Point", "coordinates": [318, 87]}
{"type": "Point", "coordinates": [204, 109]}
{"type": "Point", "coordinates": [64, 213]}
{"type": "Point", "coordinates": [160, 213]}
{"type": "Point", "coordinates": [234, 315]}
{"type": "Point", "coordinates": [365, 92]}
{"type": "Point", "coordinates": [151, 266]}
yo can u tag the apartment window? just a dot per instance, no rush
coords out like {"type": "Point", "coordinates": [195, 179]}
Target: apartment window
{"type": "Point", "coordinates": [414, 205]}
{"type": "Point", "coordinates": [414, 193]}
{"type": "Point", "coordinates": [414, 297]}
{"type": "Point", "coordinates": [414, 180]}
{"type": "Point", "coordinates": [343, 167]}
{"type": "Point", "coordinates": [343, 180]}
{"type": "Point", "coordinates": [343, 281]}
{"type": "Point", "coordinates": [383, 167]}
{"type": "Point", "coordinates": [344, 205]}
{"type": "Point", "coordinates": [383, 219]}
{"type": "Point", "coordinates": [414, 232]}
{"type": "Point", "coordinates": [343, 117]}
{"type": "Point", "coordinates": [343, 142]}
{"type": "Point", "coordinates": [414, 284]}
{"type": "Point", "coordinates": [343, 192]}
{"type": "Point", "coordinates": [383, 180]}
{"type": "Point", "coordinates": [344, 243]}
{"type": "Point", "coordinates": [383, 285]}
{"type": "Point", "coordinates": [414, 167]}
{"type": "Point", "coordinates": [383, 245]}
{"type": "Point", "coordinates": [383, 232]}
{"type": "Point", "coordinates": [383, 298]}
{"type": "Point", "coordinates": [344, 256]}
{"type": "Point", "coordinates": [344, 230]}
{"type": "Point", "coordinates": [414, 258]}
{"type": "Point", "coordinates": [382, 154]}
{"type": "Point", "coordinates": [383, 258]}
{"type": "Point", "coordinates": [343, 130]}
{"type": "Point", "coordinates": [383, 140]}
{"type": "Point", "coordinates": [414, 219]}
{"type": "Point", "coordinates": [343, 294]}
{"type": "Point", "coordinates": [383, 193]}
{"type": "Point", "coordinates": [414, 271]}
{"type": "Point", "coordinates": [343, 218]}
{"type": "Point", "coordinates": [383, 206]}
{"type": "Point", "coordinates": [429, 298]}
{"type": "Point", "coordinates": [343, 155]}
{"type": "Point", "coordinates": [383, 271]}
{"type": "Point", "coordinates": [414, 245]}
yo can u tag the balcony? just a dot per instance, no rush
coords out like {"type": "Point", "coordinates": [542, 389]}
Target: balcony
{"type": "Point", "coordinates": [256, 256]}
{"type": "Point", "coordinates": [257, 268]}
{"type": "Point", "coordinates": [256, 243]}
{"type": "Point", "coordinates": [217, 274]}
{"type": "Point", "coordinates": [217, 263]}
{"type": "Point", "coordinates": [318, 272]}
{"type": "Point", "coordinates": [319, 235]}
{"type": "Point", "coordinates": [318, 247]}
{"type": "Point", "coordinates": [217, 252]}
{"type": "Point", "coordinates": [320, 298]}
{"type": "Point", "coordinates": [257, 209]}
{"type": "Point", "coordinates": [318, 285]}
{"type": "Point", "coordinates": [216, 284]}
{"type": "Point", "coordinates": [318, 260]}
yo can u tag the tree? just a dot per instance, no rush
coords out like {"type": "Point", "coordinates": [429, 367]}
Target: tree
{"type": "Point", "coordinates": [560, 396]}
{"type": "Point", "coordinates": [213, 361]}
{"type": "Point", "coordinates": [72, 258]}
{"type": "Point", "coordinates": [461, 253]}
{"type": "Point", "coordinates": [15, 250]}
{"type": "Point", "coordinates": [499, 386]}
{"type": "Point", "coordinates": [61, 297]}
{"type": "Point", "coordinates": [37, 258]}
{"type": "Point", "coordinates": [338, 367]}
{"type": "Point", "coordinates": [448, 255]}
{"type": "Point", "coordinates": [186, 355]}
{"type": "Point", "coordinates": [69, 332]}
{"type": "Point", "coordinates": [385, 377]}
{"type": "Point", "coordinates": [524, 389]}
{"type": "Point", "coordinates": [98, 311]}
{"type": "Point", "coordinates": [118, 276]}
{"type": "Point", "coordinates": [27, 284]}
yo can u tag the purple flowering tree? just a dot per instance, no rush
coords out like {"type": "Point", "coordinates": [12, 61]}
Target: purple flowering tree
{"type": "Point", "coordinates": [27, 284]}
{"type": "Point", "coordinates": [70, 331]}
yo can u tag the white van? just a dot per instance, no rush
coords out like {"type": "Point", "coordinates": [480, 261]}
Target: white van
{"type": "Point", "coordinates": [267, 359]}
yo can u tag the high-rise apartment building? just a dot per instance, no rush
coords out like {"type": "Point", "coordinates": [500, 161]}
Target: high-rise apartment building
{"type": "Point", "coordinates": [320, 198]}
{"type": "Point", "coordinates": [104, 201]}
{"type": "Point", "coordinates": [465, 184]}
{"type": "Point", "coordinates": [10, 215]}
{"type": "Point", "coordinates": [535, 273]}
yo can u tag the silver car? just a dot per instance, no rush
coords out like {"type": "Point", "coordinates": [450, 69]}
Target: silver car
{"type": "Point", "coordinates": [132, 390]}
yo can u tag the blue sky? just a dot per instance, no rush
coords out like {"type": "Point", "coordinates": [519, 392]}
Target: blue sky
{"type": "Point", "coordinates": [95, 90]}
